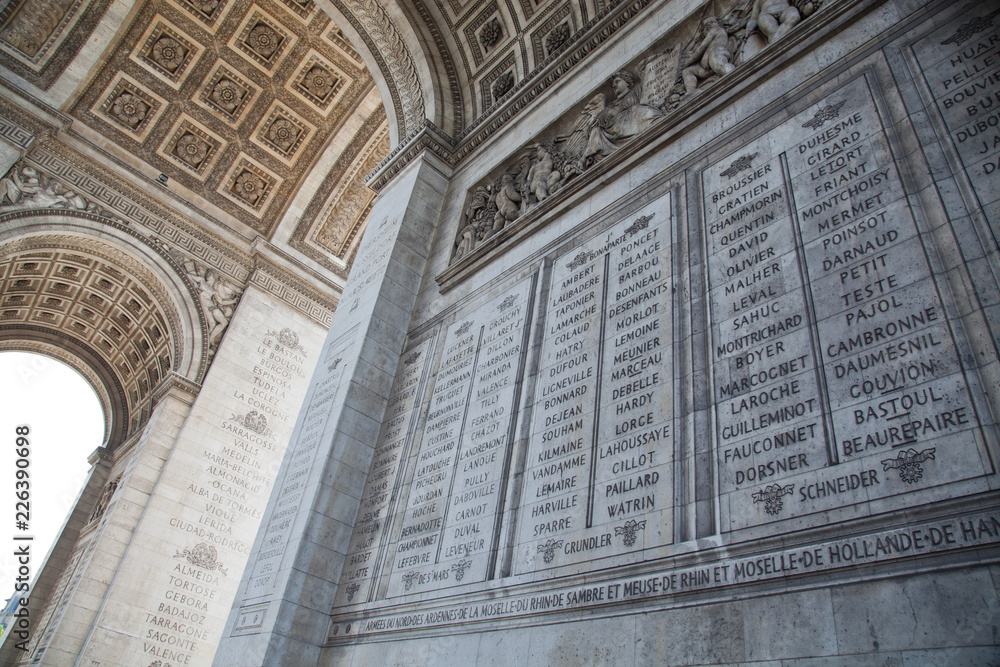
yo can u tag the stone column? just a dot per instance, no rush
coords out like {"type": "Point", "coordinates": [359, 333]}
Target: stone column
{"type": "Point", "coordinates": [48, 577]}
{"type": "Point", "coordinates": [169, 597]}
{"type": "Point", "coordinates": [282, 612]}
{"type": "Point", "coordinates": [154, 577]}
{"type": "Point", "coordinates": [59, 628]}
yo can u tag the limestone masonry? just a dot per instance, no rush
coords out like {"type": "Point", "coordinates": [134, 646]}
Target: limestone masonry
{"type": "Point", "coordinates": [537, 333]}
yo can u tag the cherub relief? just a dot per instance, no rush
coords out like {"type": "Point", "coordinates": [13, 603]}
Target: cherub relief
{"type": "Point", "coordinates": [711, 57]}
{"type": "Point", "coordinates": [543, 177]}
{"type": "Point", "coordinates": [218, 298]}
{"type": "Point", "coordinates": [774, 18]}
{"type": "Point", "coordinates": [25, 186]}
{"type": "Point", "coordinates": [508, 201]}
{"type": "Point", "coordinates": [609, 121]}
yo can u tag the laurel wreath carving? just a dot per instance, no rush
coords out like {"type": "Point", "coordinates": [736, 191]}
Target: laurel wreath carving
{"type": "Point", "coordinates": [397, 58]}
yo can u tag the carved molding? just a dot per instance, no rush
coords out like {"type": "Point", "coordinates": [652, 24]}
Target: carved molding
{"type": "Point", "coordinates": [681, 107]}
{"type": "Point", "coordinates": [165, 225]}
{"type": "Point", "coordinates": [177, 384]}
{"type": "Point", "coordinates": [429, 137]}
{"type": "Point", "coordinates": [454, 149]}
{"type": "Point", "coordinates": [166, 230]}
{"type": "Point", "coordinates": [319, 207]}
{"type": "Point", "coordinates": [375, 26]}
{"type": "Point", "coordinates": [684, 64]}
{"type": "Point", "coordinates": [41, 37]}
{"type": "Point", "coordinates": [291, 289]}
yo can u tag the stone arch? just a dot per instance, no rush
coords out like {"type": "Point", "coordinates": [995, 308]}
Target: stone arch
{"type": "Point", "coordinates": [409, 73]}
{"type": "Point", "coordinates": [106, 300]}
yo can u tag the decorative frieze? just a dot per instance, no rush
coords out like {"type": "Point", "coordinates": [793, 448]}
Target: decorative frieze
{"type": "Point", "coordinates": [228, 93]}
{"type": "Point", "coordinates": [630, 103]}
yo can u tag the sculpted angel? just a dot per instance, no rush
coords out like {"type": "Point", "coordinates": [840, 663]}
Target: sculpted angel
{"type": "Point", "coordinates": [217, 295]}
{"type": "Point", "coordinates": [711, 57]}
{"type": "Point", "coordinates": [623, 118]}
{"type": "Point", "coordinates": [542, 175]}
{"type": "Point", "coordinates": [480, 202]}
{"type": "Point", "coordinates": [774, 18]}
{"type": "Point", "coordinates": [508, 201]}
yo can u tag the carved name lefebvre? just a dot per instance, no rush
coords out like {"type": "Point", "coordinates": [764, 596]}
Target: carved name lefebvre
{"type": "Point", "coordinates": [683, 64]}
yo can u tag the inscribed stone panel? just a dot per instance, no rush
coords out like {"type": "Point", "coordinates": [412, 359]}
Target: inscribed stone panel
{"type": "Point", "coordinates": [598, 478]}
{"type": "Point", "coordinates": [837, 378]}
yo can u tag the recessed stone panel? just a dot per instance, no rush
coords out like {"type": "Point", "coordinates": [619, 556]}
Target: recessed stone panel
{"type": "Point", "coordinates": [302, 451]}
{"type": "Point", "coordinates": [598, 475]}
{"type": "Point", "coordinates": [836, 379]}
{"type": "Point", "coordinates": [228, 94]}
{"type": "Point", "coordinates": [249, 185]}
{"type": "Point", "coordinates": [192, 147]}
{"type": "Point", "coordinates": [960, 65]}
{"type": "Point", "coordinates": [367, 554]}
{"type": "Point", "coordinates": [319, 82]}
{"type": "Point", "coordinates": [447, 530]}
{"type": "Point", "coordinates": [130, 107]}
{"type": "Point", "coordinates": [166, 51]}
{"type": "Point", "coordinates": [263, 40]}
{"type": "Point", "coordinates": [282, 132]}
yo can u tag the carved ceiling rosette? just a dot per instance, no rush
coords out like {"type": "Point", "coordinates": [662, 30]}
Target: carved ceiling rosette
{"type": "Point", "coordinates": [130, 109]}
{"type": "Point", "coordinates": [168, 53]}
{"type": "Point", "coordinates": [319, 82]}
{"type": "Point", "coordinates": [503, 85]}
{"type": "Point", "coordinates": [192, 149]}
{"type": "Point", "coordinates": [228, 94]}
{"type": "Point", "coordinates": [264, 40]}
{"type": "Point", "coordinates": [490, 34]}
{"type": "Point", "coordinates": [249, 187]}
{"type": "Point", "coordinates": [557, 37]}
{"type": "Point", "coordinates": [283, 134]}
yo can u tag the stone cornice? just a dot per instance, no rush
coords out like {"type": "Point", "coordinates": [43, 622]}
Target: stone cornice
{"type": "Point", "coordinates": [723, 92]}
{"type": "Point", "coordinates": [177, 385]}
{"type": "Point", "coordinates": [453, 150]}
{"type": "Point", "coordinates": [383, 38]}
{"type": "Point", "coordinates": [281, 276]}
{"type": "Point", "coordinates": [429, 138]}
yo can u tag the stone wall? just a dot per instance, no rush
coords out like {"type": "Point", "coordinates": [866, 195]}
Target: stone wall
{"type": "Point", "coordinates": [722, 390]}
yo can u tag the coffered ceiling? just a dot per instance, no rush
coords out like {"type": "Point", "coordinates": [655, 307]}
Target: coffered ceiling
{"type": "Point", "coordinates": [234, 99]}
{"type": "Point", "coordinates": [251, 105]}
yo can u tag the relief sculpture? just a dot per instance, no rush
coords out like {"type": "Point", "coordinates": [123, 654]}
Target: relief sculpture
{"type": "Point", "coordinates": [34, 24]}
{"type": "Point", "coordinates": [26, 187]}
{"type": "Point", "coordinates": [631, 104]}
{"type": "Point", "coordinates": [218, 296]}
